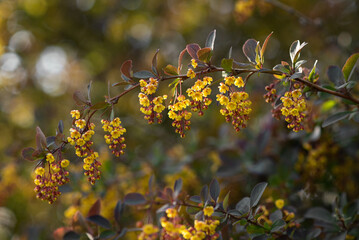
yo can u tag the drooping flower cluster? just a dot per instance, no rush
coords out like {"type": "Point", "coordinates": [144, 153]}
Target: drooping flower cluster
{"type": "Point", "coordinates": [80, 137]}
{"type": "Point", "coordinates": [115, 139]}
{"type": "Point", "coordinates": [271, 94]}
{"type": "Point", "coordinates": [199, 93]}
{"type": "Point", "coordinates": [180, 116]}
{"type": "Point", "coordinates": [149, 232]}
{"type": "Point", "coordinates": [173, 229]}
{"type": "Point", "coordinates": [151, 106]}
{"type": "Point", "coordinates": [294, 106]}
{"type": "Point", "coordinates": [236, 104]}
{"type": "Point", "coordinates": [50, 177]}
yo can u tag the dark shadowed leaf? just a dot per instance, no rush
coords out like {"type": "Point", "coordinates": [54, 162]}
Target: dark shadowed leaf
{"type": "Point", "coordinates": [40, 139]}
{"type": "Point", "coordinates": [249, 50]}
{"type": "Point", "coordinates": [204, 55]}
{"type": "Point", "coordinates": [79, 98]}
{"type": "Point", "coordinates": [276, 215]}
{"type": "Point", "coordinates": [243, 206]}
{"type": "Point", "coordinates": [196, 199]}
{"type": "Point", "coordinates": [107, 234]}
{"type": "Point", "coordinates": [199, 215]}
{"type": "Point", "coordinates": [27, 154]}
{"type": "Point", "coordinates": [253, 229]}
{"type": "Point", "coordinates": [192, 50]}
{"type": "Point", "coordinates": [227, 64]}
{"type": "Point", "coordinates": [296, 75]}
{"type": "Point", "coordinates": [235, 213]}
{"type": "Point", "coordinates": [211, 39]}
{"type": "Point", "coordinates": [204, 193]}
{"type": "Point", "coordinates": [335, 75]}
{"type": "Point", "coordinates": [95, 209]}
{"type": "Point", "coordinates": [60, 127]}
{"type": "Point", "coordinates": [118, 211]}
{"type": "Point", "coordinates": [214, 189]}
{"type": "Point", "coordinates": [126, 70]}
{"type": "Point", "coordinates": [256, 193]}
{"type": "Point", "coordinates": [192, 210]}
{"type": "Point", "coordinates": [71, 235]}
{"type": "Point", "coordinates": [177, 188]}
{"type": "Point", "coordinates": [154, 63]}
{"type": "Point", "coordinates": [134, 199]}
{"type": "Point", "coordinates": [121, 84]}
{"type": "Point", "coordinates": [151, 184]}
{"type": "Point", "coordinates": [100, 221]}
{"type": "Point", "coordinates": [180, 56]}
{"type": "Point", "coordinates": [349, 66]}
{"type": "Point", "coordinates": [335, 118]}
{"type": "Point", "coordinates": [277, 225]}
{"type": "Point", "coordinates": [315, 232]}
{"type": "Point", "coordinates": [144, 74]}
{"type": "Point", "coordinates": [100, 105]}
{"type": "Point", "coordinates": [265, 45]}
{"type": "Point", "coordinates": [50, 141]}
{"type": "Point", "coordinates": [170, 70]}
{"type": "Point", "coordinates": [340, 236]}
{"type": "Point", "coordinates": [319, 213]}
{"type": "Point", "coordinates": [163, 208]}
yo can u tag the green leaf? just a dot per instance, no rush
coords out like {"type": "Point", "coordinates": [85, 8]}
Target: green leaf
{"type": "Point", "coordinates": [154, 63]}
{"type": "Point", "coordinates": [107, 234]}
{"type": "Point", "coordinates": [100, 221]}
{"type": "Point", "coordinates": [192, 50]}
{"type": "Point", "coordinates": [170, 70]}
{"type": "Point", "coordinates": [204, 55]}
{"type": "Point", "coordinates": [243, 206]}
{"type": "Point", "coordinates": [144, 74]}
{"type": "Point", "coordinates": [349, 66]}
{"type": "Point", "coordinates": [312, 74]}
{"type": "Point", "coordinates": [214, 189]}
{"type": "Point", "coordinates": [134, 199]}
{"type": "Point", "coordinates": [335, 75]}
{"type": "Point", "coordinates": [256, 193]}
{"type": "Point", "coordinates": [253, 229]}
{"type": "Point", "coordinates": [281, 68]}
{"type": "Point", "coordinates": [192, 210]}
{"type": "Point", "coordinates": [227, 64]}
{"type": "Point", "coordinates": [100, 105]}
{"type": "Point", "coordinates": [225, 201]}
{"type": "Point", "coordinates": [277, 225]}
{"type": "Point", "coordinates": [210, 39]}
{"type": "Point", "coordinates": [335, 118]}
{"type": "Point", "coordinates": [249, 50]}
{"type": "Point", "coordinates": [319, 213]}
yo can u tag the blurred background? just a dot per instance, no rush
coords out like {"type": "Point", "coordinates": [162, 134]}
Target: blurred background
{"type": "Point", "coordinates": [51, 48]}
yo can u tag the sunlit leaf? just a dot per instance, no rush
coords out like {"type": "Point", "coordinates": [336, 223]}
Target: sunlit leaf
{"type": "Point", "coordinates": [227, 64]}
{"type": "Point", "coordinates": [349, 66]}
{"type": "Point", "coordinates": [249, 50]}
{"type": "Point", "coordinates": [170, 70]}
{"type": "Point", "coordinates": [211, 39]}
{"type": "Point", "coordinates": [204, 55]}
{"type": "Point", "coordinates": [192, 50]}
{"type": "Point", "coordinates": [264, 47]}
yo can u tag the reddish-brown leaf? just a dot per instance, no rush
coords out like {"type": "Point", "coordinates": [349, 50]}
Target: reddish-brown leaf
{"type": "Point", "coordinates": [192, 50]}
{"type": "Point", "coordinates": [95, 209]}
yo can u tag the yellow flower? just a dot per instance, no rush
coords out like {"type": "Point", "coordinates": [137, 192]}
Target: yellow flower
{"type": "Point", "coordinates": [80, 123]}
{"type": "Point", "coordinates": [171, 213]}
{"type": "Point", "coordinates": [65, 163]}
{"type": "Point", "coordinates": [208, 211]}
{"type": "Point", "coordinates": [149, 229]}
{"type": "Point", "coordinates": [229, 80]}
{"type": "Point", "coordinates": [50, 158]}
{"type": "Point", "coordinates": [194, 63]}
{"type": "Point", "coordinates": [191, 74]}
{"type": "Point", "coordinates": [279, 203]}
{"type": "Point", "coordinates": [239, 82]}
{"type": "Point", "coordinates": [186, 234]}
{"type": "Point", "coordinates": [75, 114]}
{"type": "Point", "coordinates": [40, 171]}
{"type": "Point", "coordinates": [223, 88]}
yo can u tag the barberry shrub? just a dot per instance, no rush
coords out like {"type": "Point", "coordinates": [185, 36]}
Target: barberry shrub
{"type": "Point", "coordinates": [173, 214]}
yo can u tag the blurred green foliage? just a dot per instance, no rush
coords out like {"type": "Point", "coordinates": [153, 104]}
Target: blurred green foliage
{"type": "Point", "coordinates": [51, 48]}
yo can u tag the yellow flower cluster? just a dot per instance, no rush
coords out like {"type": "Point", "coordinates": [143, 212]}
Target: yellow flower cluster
{"type": "Point", "coordinates": [294, 106]}
{"type": "Point", "coordinates": [47, 183]}
{"type": "Point", "coordinates": [194, 63]}
{"type": "Point", "coordinates": [180, 116]}
{"type": "Point", "coordinates": [115, 140]}
{"type": "Point", "coordinates": [151, 106]}
{"type": "Point", "coordinates": [199, 93]}
{"type": "Point", "coordinates": [236, 104]}
{"type": "Point", "coordinates": [80, 137]}
{"type": "Point", "coordinates": [149, 232]}
{"type": "Point", "coordinates": [173, 229]}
